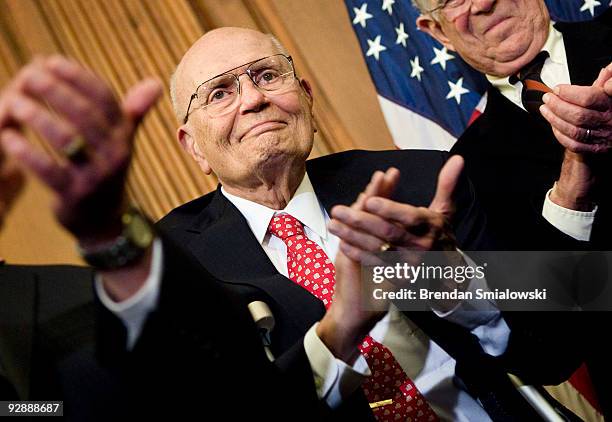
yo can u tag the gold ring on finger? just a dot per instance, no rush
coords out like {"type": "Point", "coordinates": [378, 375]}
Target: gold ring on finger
{"type": "Point", "coordinates": [385, 247]}
{"type": "Point", "coordinates": [76, 150]}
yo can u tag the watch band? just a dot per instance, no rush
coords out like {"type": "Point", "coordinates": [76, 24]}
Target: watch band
{"type": "Point", "coordinates": [135, 239]}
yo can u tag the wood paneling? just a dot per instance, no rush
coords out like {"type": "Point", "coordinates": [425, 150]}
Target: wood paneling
{"type": "Point", "coordinates": [127, 40]}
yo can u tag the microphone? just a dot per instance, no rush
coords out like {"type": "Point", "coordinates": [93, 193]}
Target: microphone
{"type": "Point", "coordinates": [537, 401]}
{"type": "Point", "coordinates": [264, 320]}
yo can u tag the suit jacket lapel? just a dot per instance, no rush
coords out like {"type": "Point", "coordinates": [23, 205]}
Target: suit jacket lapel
{"type": "Point", "coordinates": [17, 324]}
{"type": "Point", "coordinates": [225, 245]}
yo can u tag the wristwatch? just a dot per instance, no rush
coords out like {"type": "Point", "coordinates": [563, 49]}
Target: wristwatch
{"type": "Point", "coordinates": [136, 237]}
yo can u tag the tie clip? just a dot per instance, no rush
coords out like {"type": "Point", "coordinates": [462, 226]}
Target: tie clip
{"type": "Point", "coordinates": [380, 403]}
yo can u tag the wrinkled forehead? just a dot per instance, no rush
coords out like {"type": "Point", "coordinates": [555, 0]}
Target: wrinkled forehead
{"type": "Point", "coordinates": [219, 54]}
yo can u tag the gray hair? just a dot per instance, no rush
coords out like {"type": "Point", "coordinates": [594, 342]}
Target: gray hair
{"type": "Point", "coordinates": [180, 114]}
{"type": "Point", "coordinates": [422, 5]}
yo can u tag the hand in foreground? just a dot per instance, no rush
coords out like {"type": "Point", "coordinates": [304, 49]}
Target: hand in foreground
{"type": "Point", "coordinates": [408, 229]}
{"type": "Point", "coordinates": [346, 322]}
{"type": "Point", "coordinates": [75, 112]}
{"type": "Point", "coordinates": [88, 127]}
{"type": "Point", "coordinates": [384, 222]}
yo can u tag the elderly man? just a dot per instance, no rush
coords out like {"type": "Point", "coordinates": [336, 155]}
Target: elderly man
{"type": "Point", "coordinates": [246, 117]}
{"type": "Point", "coordinates": [512, 154]}
{"type": "Point", "coordinates": [543, 142]}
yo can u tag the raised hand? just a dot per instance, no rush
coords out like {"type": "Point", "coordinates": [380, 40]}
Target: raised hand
{"type": "Point", "coordinates": [371, 223]}
{"type": "Point", "coordinates": [404, 226]}
{"type": "Point", "coordinates": [581, 119]}
{"type": "Point", "coordinates": [347, 322]}
{"type": "Point", "coordinates": [581, 116]}
{"type": "Point", "coordinates": [78, 115]}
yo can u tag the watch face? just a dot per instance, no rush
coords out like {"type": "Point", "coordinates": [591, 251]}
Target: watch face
{"type": "Point", "coordinates": [139, 231]}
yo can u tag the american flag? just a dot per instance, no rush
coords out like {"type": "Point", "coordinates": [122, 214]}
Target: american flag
{"type": "Point", "coordinates": [428, 95]}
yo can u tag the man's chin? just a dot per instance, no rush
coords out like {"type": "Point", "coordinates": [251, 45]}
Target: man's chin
{"type": "Point", "coordinates": [511, 55]}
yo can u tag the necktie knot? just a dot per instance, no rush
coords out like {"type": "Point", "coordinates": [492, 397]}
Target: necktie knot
{"type": "Point", "coordinates": [532, 70]}
{"type": "Point", "coordinates": [533, 87]}
{"type": "Point", "coordinates": [284, 226]}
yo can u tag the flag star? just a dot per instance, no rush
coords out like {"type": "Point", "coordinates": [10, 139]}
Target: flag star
{"type": "Point", "coordinates": [388, 6]}
{"type": "Point", "coordinates": [401, 35]}
{"type": "Point", "coordinates": [442, 57]}
{"type": "Point", "coordinates": [456, 90]}
{"type": "Point", "coordinates": [416, 68]}
{"type": "Point", "coordinates": [361, 15]}
{"type": "Point", "coordinates": [590, 5]}
{"type": "Point", "coordinates": [375, 47]}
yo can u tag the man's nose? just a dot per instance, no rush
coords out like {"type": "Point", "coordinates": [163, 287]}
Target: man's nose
{"type": "Point", "coordinates": [482, 6]}
{"type": "Point", "coordinates": [251, 97]}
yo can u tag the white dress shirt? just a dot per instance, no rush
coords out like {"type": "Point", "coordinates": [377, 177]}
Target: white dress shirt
{"type": "Point", "coordinates": [577, 224]}
{"type": "Point", "coordinates": [429, 366]}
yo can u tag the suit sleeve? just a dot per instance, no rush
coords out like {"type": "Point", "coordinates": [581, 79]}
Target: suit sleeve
{"type": "Point", "coordinates": [198, 342]}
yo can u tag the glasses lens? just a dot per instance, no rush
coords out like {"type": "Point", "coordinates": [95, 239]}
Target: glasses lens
{"type": "Point", "coordinates": [218, 94]}
{"type": "Point", "coordinates": [272, 73]}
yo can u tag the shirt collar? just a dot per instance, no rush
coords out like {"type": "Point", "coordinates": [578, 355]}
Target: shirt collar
{"type": "Point", "coordinates": [304, 206]}
{"type": "Point", "coordinates": [554, 46]}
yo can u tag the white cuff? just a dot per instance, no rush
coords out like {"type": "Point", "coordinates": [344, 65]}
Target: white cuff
{"type": "Point", "coordinates": [134, 310]}
{"type": "Point", "coordinates": [481, 317]}
{"type": "Point", "coordinates": [577, 224]}
{"type": "Point", "coordinates": [471, 313]}
{"type": "Point", "coordinates": [334, 379]}
{"type": "Point", "coordinates": [494, 335]}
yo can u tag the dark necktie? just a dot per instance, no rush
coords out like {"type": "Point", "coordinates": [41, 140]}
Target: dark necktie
{"type": "Point", "coordinates": [533, 87]}
{"type": "Point", "coordinates": [393, 396]}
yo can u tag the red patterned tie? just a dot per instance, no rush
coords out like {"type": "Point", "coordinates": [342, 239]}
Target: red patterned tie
{"type": "Point", "coordinates": [310, 267]}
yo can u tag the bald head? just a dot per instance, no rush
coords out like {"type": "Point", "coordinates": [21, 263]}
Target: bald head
{"type": "Point", "coordinates": [216, 52]}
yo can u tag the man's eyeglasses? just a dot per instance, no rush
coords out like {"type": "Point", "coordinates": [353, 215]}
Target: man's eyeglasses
{"type": "Point", "coordinates": [452, 8]}
{"type": "Point", "coordinates": [220, 94]}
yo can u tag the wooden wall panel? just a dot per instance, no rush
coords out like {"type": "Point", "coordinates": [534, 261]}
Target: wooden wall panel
{"type": "Point", "coordinates": [127, 40]}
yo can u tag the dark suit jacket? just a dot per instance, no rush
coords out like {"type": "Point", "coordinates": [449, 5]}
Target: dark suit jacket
{"type": "Point", "coordinates": [44, 311]}
{"type": "Point", "coordinates": [220, 239]}
{"type": "Point", "coordinates": [198, 354]}
{"type": "Point", "coordinates": [512, 159]}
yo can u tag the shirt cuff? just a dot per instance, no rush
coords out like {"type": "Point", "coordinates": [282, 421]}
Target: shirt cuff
{"type": "Point", "coordinates": [577, 224]}
{"type": "Point", "coordinates": [471, 313]}
{"type": "Point", "coordinates": [481, 317]}
{"type": "Point", "coordinates": [334, 379]}
{"type": "Point", "coordinates": [134, 310]}
{"type": "Point", "coordinates": [494, 335]}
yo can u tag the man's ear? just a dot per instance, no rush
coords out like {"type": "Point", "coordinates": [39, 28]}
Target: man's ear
{"type": "Point", "coordinates": [427, 24]}
{"type": "Point", "coordinates": [192, 148]}
{"type": "Point", "coordinates": [307, 89]}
